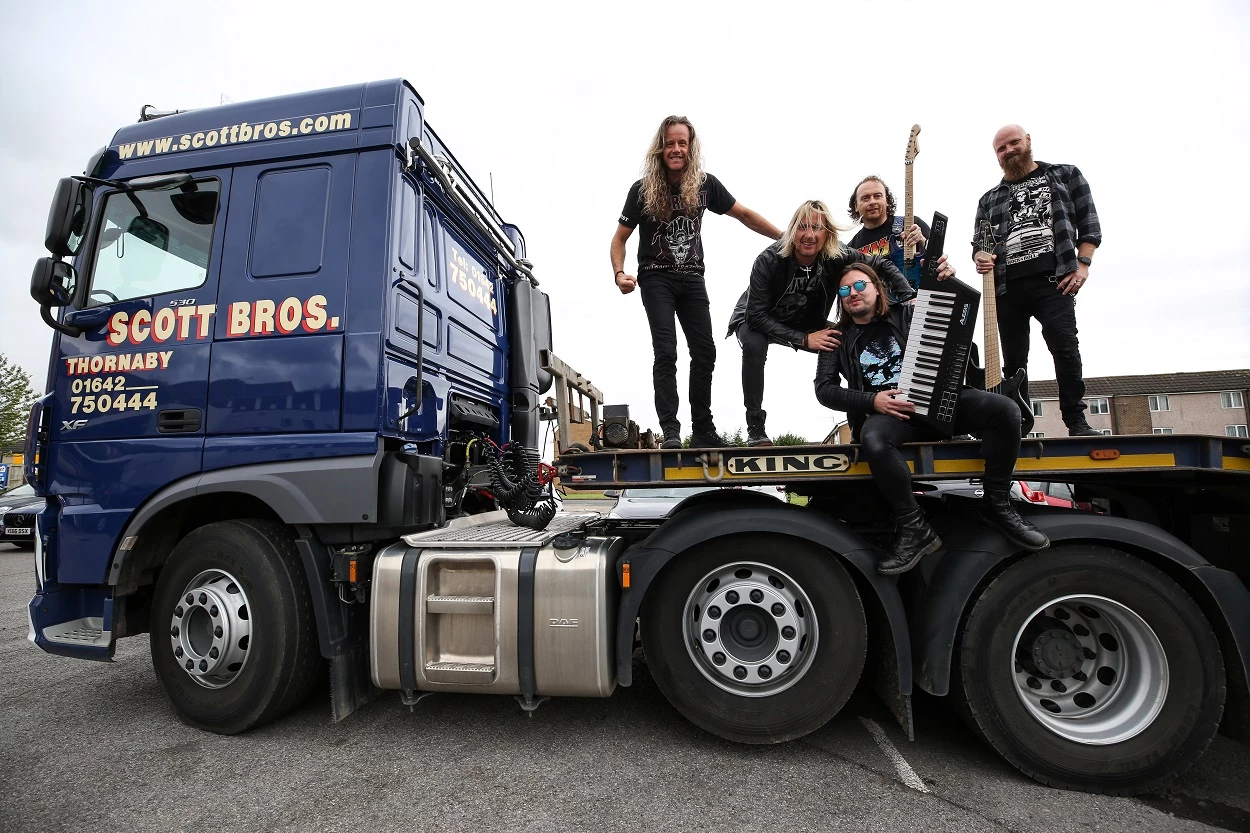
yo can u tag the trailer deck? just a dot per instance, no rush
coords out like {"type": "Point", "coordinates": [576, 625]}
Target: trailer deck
{"type": "Point", "coordinates": [1189, 457]}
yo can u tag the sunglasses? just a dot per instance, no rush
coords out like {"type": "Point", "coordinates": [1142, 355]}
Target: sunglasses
{"type": "Point", "coordinates": [860, 286]}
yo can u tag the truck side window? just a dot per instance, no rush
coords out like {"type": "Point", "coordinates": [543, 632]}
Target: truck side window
{"type": "Point", "coordinates": [292, 209]}
{"type": "Point", "coordinates": [153, 242]}
{"type": "Point", "coordinates": [408, 225]}
{"type": "Point", "coordinates": [429, 261]}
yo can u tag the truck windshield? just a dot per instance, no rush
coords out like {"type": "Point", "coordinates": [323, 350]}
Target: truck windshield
{"type": "Point", "coordinates": [153, 242]}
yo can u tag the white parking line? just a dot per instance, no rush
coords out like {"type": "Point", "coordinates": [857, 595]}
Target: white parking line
{"type": "Point", "coordinates": [905, 773]}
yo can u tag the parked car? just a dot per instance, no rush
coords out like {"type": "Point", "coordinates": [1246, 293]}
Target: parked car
{"type": "Point", "coordinates": [18, 507]}
{"type": "Point", "coordinates": [1053, 494]}
{"type": "Point", "coordinates": [652, 504]}
{"type": "Point", "coordinates": [1028, 491]}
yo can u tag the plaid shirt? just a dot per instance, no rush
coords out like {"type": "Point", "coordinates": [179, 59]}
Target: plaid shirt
{"type": "Point", "coordinates": [1074, 219]}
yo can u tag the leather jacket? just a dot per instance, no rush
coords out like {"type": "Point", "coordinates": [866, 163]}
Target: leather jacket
{"type": "Point", "coordinates": [843, 363]}
{"type": "Point", "coordinates": [771, 275]}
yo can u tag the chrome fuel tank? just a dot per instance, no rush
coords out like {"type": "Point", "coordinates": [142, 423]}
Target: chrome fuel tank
{"type": "Point", "coordinates": [485, 606]}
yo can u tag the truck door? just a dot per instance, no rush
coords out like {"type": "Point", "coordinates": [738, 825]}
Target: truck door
{"type": "Point", "coordinates": [130, 391]}
{"type": "Point", "coordinates": [277, 361]}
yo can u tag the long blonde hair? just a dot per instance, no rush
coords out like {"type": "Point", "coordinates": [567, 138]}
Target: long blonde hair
{"type": "Point", "coordinates": [801, 215]}
{"type": "Point", "coordinates": [655, 190]}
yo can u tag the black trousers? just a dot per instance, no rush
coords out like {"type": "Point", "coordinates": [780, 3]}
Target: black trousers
{"type": "Point", "coordinates": [1039, 297]}
{"type": "Point", "coordinates": [754, 356]}
{"type": "Point", "coordinates": [665, 297]}
{"type": "Point", "coordinates": [991, 416]}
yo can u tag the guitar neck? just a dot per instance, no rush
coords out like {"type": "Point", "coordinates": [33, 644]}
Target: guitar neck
{"type": "Point", "coordinates": [989, 305]}
{"type": "Point", "coordinates": [909, 251]}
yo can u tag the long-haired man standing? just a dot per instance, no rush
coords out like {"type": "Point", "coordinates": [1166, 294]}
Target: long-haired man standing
{"type": "Point", "coordinates": [668, 203]}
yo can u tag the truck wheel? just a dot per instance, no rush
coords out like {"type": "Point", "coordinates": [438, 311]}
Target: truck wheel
{"type": "Point", "coordinates": [1089, 669]}
{"type": "Point", "coordinates": [234, 642]}
{"type": "Point", "coordinates": [757, 639]}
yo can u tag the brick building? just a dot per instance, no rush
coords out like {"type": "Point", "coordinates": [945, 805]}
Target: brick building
{"type": "Point", "coordinates": [1209, 402]}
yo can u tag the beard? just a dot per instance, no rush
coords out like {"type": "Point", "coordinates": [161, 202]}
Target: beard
{"type": "Point", "coordinates": [1018, 166]}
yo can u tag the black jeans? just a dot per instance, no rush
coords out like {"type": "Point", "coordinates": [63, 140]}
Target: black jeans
{"type": "Point", "coordinates": [991, 416]}
{"type": "Point", "coordinates": [1039, 297]}
{"type": "Point", "coordinates": [754, 355]}
{"type": "Point", "coordinates": [665, 296]}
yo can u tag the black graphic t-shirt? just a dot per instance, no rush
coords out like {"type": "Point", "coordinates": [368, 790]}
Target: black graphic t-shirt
{"type": "Point", "coordinates": [802, 303]}
{"type": "Point", "coordinates": [675, 247]}
{"type": "Point", "coordinates": [884, 240]}
{"type": "Point", "coordinates": [880, 357]}
{"type": "Point", "coordinates": [1031, 240]}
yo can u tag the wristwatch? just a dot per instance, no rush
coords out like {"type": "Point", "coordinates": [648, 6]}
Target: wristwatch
{"type": "Point", "coordinates": [1086, 260]}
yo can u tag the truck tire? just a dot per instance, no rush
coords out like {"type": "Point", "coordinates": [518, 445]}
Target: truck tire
{"type": "Point", "coordinates": [1089, 669]}
{"type": "Point", "coordinates": [233, 637]}
{"type": "Point", "coordinates": [757, 639]}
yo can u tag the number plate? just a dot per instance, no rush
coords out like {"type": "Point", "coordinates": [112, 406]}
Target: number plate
{"type": "Point", "coordinates": [19, 530]}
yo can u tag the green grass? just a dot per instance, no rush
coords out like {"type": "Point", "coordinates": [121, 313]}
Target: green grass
{"type": "Point", "coordinates": [583, 495]}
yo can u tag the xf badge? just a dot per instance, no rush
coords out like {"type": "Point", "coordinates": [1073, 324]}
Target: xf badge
{"type": "Point", "coordinates": [72, 424]}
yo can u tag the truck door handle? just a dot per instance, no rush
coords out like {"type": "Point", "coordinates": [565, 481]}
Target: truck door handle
{"type": "Point", "coordinates": [179, 422]}
{"type": "Point", "coordinates": [87, 319]}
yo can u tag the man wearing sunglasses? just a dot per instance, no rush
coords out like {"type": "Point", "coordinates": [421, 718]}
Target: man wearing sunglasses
{"type": "Point", "coordinates": [869, 359]}
{"type": "Point", "coordinates": [789, 299]}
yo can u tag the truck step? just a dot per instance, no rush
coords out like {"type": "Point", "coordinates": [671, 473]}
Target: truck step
{"type": "Point", "coordinates": [474, 673]}
{"type": "Point", "coordinates": [87, 631]}
{"type": "Point", "coordinates": [484, 605]}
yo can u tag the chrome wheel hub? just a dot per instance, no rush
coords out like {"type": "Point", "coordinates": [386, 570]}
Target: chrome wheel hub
{"type": "Point", "coordinates": [210, 630]}
{"type": "Point", "coordinates": [750, 629]}
{"type": "Point", "coordinates": [1090, 670]}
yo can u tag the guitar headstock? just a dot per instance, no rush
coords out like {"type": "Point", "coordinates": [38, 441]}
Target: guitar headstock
{"type": "Point", "coordinates": [985, 237]}
{"type": "Point", "coordinates": [913, 146]}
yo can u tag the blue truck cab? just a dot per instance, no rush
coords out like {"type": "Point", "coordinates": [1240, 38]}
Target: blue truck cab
{"type": "Point", "coordinates": [295, 321]}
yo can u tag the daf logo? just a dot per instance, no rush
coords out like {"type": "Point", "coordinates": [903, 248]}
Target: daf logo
{"type": "Point", "coordinates": [70, 425]}
{"type": "Point", "coordinates": [789, 464]}
{"type": "Point", "coordinates": [963, 318]}
{"type": "Point", "coordinates": [563, 623]}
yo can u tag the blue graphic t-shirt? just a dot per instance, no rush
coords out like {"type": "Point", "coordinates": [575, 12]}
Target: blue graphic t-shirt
{"type": "Point", "coordinates": [880, 357]}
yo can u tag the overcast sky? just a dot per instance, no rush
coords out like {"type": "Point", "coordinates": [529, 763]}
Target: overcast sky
{"type": "Point", "coordinates": [793, 101]}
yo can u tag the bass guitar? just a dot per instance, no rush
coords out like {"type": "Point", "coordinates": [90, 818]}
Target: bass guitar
{"type": "Point", "coordinates": [992, 377]}
{"type": "Point", "coordinates": [911, 267]}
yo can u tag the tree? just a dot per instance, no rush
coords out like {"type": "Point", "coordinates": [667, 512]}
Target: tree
{"type": "Point", "coordinates": [789, 439]}
{"type": "Point", "coordinates": [16, 397]}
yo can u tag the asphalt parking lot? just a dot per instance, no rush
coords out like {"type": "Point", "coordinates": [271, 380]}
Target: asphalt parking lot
{"type": "Point", "coordinates": [92, 746]}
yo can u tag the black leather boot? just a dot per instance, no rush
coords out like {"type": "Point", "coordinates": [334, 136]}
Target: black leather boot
{"type": "Point", "coordinates": [913, 540]}
{"type": "Point", "coordinates": [756, 435]}
{"type": "Point", "coordinates": [998, 511]}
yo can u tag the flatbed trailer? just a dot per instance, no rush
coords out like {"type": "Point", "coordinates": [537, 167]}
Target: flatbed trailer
{"type": "Point", "coordinates": [1071, 662]}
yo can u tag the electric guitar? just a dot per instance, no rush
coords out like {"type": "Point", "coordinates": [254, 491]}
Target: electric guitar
{"type": "Point", "coordinates": [911, 264]}
{"type": "Point", "coordinates": [990, 378]}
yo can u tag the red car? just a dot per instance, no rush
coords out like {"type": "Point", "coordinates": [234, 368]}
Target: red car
{"type": "Point", "coordinates": [1052, 494]}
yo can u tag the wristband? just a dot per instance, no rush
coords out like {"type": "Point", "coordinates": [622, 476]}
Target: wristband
{"type": "Point", "coordinates": [618, 272]}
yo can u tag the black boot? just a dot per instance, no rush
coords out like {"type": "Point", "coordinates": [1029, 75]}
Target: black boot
{"type": "Point", "coordinates": [913, 540]}
{"type": "Point", "coordinates": [756, 435]}
{"type": "Point", "coordinates": [1081, 429]}
{"type": "Point", "coordinates": [998, 511]}
{"type": "Point", "coordinates": [707, 439]}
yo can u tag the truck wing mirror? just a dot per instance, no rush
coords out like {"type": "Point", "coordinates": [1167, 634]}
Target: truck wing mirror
{"type": "Point", "coordinates": [52, 284]}
{"type": "Point", "coordinates": [67, 217]}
